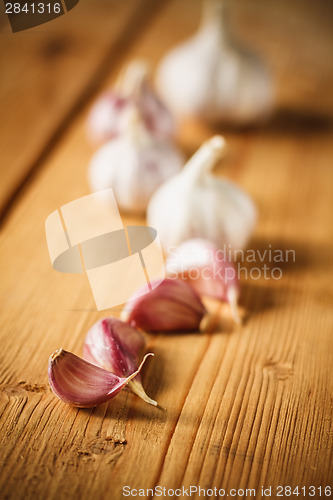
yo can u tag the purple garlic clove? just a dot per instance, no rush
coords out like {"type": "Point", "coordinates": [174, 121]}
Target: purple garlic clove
{"type": "Point", "coordinates": [116, 346]}
{"type": "Point", "coordinates": [79, 383]}
{"type": "Point", "coordinates": [200, 263]}
{"type": "Point", "coordinates": [106, 119]}
{"type": "Point", "coordinates": [173, 306]}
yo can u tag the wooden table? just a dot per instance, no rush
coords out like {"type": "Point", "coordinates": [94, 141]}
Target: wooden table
{"type": "Point", "coordinates": [246, 406]}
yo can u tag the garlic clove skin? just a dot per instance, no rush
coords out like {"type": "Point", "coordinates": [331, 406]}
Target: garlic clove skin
{"type": "Point", "coordinates": [157, 117]}
{"type": "Point", "coordinates": [105, 120]}
{"type": "Point", "coordinates": [173, 306]}
{"type": "Point", "coordinates": [134, 165]}
{"type": "Point", "coordinates": [81, 384]}
{"type": "Point", "coordinates": [194, 204]}
{"type": "Point", "coordinates": [200, 263]}
{"type": "Point", "coordinates": [116, 346]}
{"type": "Point", "coordinates": [134, 83]}
{"type": "Point", "coordinates": [213, 78]}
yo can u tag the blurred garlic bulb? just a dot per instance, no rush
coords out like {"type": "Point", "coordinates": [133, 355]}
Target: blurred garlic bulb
{"type": "Point", "coordinates": [108, 115]}
{"type": "Point", "coordinates": [194, 204]}
{"type": "Point", "coordinates": [134, 164]}
{"type": "Point", "coordinates": [211, 77]}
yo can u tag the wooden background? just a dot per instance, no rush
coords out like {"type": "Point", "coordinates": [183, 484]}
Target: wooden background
{"type": "Point", "coordinates": [246, 406]}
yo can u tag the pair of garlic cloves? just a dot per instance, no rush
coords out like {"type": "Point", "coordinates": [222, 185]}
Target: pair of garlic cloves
{"type": "Point", "coordinates": [111, 352]}
{"type": "Point", "coordinates": [112, 347]}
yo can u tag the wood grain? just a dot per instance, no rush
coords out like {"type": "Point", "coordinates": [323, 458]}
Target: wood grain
{"type": "Point", "coordinates": [246, 406]}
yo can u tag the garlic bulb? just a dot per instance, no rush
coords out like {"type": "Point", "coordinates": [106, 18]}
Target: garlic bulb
{"type": "Point", "coordinates": [194, 204]}
{"type": "Point", "coordinates": [200, 263]}
{"type": "Point", "coordinates": [134, 164]}
{"type": "Point", "coordinates": [106, 119]}
{"type": "Point", "coordinates": [213, 78]}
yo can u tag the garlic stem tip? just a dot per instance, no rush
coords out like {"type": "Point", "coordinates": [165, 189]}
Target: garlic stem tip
{"type": "Point", "coordinates": [56, 354]}
{"type": "Point", "coordinates": [204, 323]}
{"type": "Point", "coordinates": [235, 316]}
{"type": "Point", "coordinates": [217, 142]}
{"type": "Point", "coordinates": [124, 315]}
{"type": "Point", "coordinates": [143, 361]}
{"type": "Point", "coordinates": [232, 298]}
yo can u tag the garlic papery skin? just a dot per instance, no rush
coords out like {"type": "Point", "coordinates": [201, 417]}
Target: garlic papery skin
{"type": "Point", "coordinates": [195, 204]}
{"type": "Point", "coordinates": [106, 118]}
{"type": "Point", "coordinates": [213, 78]}
{"type": "Point", "coordinates": [82, 384]}
{"type": "Point", "coordinates": [116, 346]}
{"type": "Point", "coordinates": [205, 267]}
{"type": "Point", "coordinates": [134, 165]}
{"type": "Point", "coordinates": [173, 306]}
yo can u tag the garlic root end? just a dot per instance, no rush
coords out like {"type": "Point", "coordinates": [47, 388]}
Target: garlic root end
{"type": "Point", "coordinates": [137, 389]}
{"type": "Point", "coordinates": [232, 299]}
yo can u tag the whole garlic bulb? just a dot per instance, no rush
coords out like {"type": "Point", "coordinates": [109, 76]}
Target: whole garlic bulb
{"type": "Point", "coordinates": [134, 165]}
{"type": "Point", "coordinates": [108, 115]}
{"type": "Point", "coordinates": [213, 78]}
{"type": "Point", "coordinates": [194, 204]}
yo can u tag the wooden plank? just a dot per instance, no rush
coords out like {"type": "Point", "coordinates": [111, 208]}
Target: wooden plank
{"type": "Point", "coordinates": [245, 407]}
{"type": "Point", "coordinates": [48, 72]}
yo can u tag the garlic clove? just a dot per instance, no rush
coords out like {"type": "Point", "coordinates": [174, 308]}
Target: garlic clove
{"type": "Point", "coordinates": [136, 387]}
{"type": "Point", "coordinates": [195, 204]}
{"type": "Point", "coordinates": [106, 119]}
{"type": "Point", "coordinates": [173, 306]}
{"type": "Point", "coordinates": [212, 77]}
{"type": "Point", "coordinates": [79, 383]}
{"type": "Point", "coordinates": [116, 346]}
{"type": "Point", "coordinates": [232, 298]}
{"type": "Point", "coordinates": [134, 83]}
{"type": "Point", "coordinates": [134, 164]}
{"type": "Point", "coordinates": [202, 264]}
{"type": "Point", "coordinates": [157, 117]}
